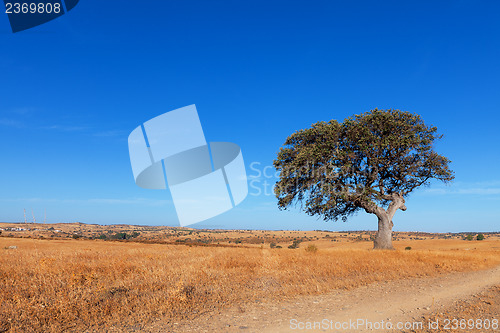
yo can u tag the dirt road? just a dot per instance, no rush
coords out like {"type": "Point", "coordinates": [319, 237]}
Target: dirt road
{"type": "Point", "coordinates": [373, 308]}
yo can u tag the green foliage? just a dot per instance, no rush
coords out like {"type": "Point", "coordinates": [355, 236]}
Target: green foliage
{"type": "Point", "coordinates": [102, 236]}
{"type": "Point", "coordinates": [295, 244]}
{"type": "Point", "coordinates": [272, 245]}
{"type": "Point", "coordinates": [119, 235]}
{"type": "Point", "coordinates": [408, 248]}
{"type": "Point", "coordinates": [469, 237]}
{"type": "Point", "coordinates": [124, 235]}
{"type": "Point", "coordinates": [368, 161]}
{"type": "Point", "coordinates": [480, 237]}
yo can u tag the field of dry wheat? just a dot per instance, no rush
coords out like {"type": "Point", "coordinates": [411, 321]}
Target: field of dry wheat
{"type": "Point", "coordinates": [85, 285]}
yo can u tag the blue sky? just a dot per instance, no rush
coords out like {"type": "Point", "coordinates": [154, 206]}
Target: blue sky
{"type": "Point", "coordinates": [73, 89]}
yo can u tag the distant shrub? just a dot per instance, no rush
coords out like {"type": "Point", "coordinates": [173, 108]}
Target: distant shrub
{"type": "Point", "coordinates": [408, 248]}
{"type": "Point", "coordinates": [295, 244]}
{"type": "Point", "coordinates": [124, 235]}
{"type": "Point", "coordinates": [272, 245]}
{"type": "Point", "coordinates": [278, 246]}
{"type": "Point", "coordinates": [102, 236]}
{"type": "Point", "coordinates": [469, 237]}
{"type": "Point", "coordinates": [480, 237]}
{"type": "Point", "coordinates": [120, 235]}
{"type": "Point", "coordinates": [76, 236]}
{"type": "Point", "coordinates": [311, 248]}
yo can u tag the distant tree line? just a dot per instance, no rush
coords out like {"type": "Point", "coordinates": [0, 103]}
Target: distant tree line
{"type": "Point", "coordinates": [120, 235]}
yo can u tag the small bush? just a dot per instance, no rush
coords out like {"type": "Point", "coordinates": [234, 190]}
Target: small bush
{"type": "Point", "coordinates": [480, 237]}
{"type": "Point", "coordinates": [311, 248]}
{"type": "Point", "coordinates": [408, 248]}
{"type": "Point", "coordinates": [469, 237]}
{"type": "Point", "coordinates": [272, 245]}
{"type": "Point", "coordinates": [124, 235]}
{"type": "Point", "coordinates": [120, 235]}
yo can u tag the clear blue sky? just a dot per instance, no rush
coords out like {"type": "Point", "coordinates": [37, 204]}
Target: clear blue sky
{"type": "Point", "coordinates": [72, 90]}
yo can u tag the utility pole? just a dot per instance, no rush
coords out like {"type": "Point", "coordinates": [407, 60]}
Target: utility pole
{"type": "Point", "coordinates": [25, 216]}
{"type": "Point", "coordinates": [34, 220]}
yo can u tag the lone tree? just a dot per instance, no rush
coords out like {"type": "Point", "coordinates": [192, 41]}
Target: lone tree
{"type": "Point", "coordinates": [369, 162]}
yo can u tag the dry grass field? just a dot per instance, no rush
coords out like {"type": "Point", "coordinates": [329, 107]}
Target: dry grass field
{"type": "Point", "coordinates": [53, 285]}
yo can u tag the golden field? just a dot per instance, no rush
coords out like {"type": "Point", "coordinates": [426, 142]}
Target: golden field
{"type": "Point", "coordinates": [93, 285]}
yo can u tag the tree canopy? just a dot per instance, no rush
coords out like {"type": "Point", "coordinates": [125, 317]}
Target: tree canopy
{"type": "Point", "coordinates": [369, 162]}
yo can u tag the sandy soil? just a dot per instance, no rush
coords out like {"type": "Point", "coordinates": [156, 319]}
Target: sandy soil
{"type": "Point", "coordinates": [372, 308]}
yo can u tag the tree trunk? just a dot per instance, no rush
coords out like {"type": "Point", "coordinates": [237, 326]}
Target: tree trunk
{"type": "Point", "coordinates": [383, 240]}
